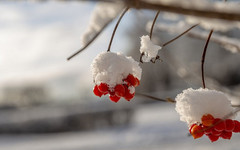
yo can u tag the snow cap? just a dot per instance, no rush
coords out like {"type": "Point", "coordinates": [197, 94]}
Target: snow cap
{"type": "Point", "coordinates": [193, 104]}
{"type": "Point", "coordinates": [111, 68]}
{"type": "Point", "coordinates": [149, 50]}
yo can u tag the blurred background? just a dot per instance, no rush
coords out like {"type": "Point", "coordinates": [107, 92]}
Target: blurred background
{"type": "Point", "coordinates": [47, 103]}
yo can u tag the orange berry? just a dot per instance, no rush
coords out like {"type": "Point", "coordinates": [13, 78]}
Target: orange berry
{"type": "Point", "coordinates": [103, 87]}
{"type": "Point", "coordinates": [237, 126]}
{"type": "Point", "coordinates": [114, 98]}
{"type": "Point", "coordinates": [226, 135]}
{"type": "Point", "coordinates": [207, 120]}
{"type": "Point", "coordinates": [219, 124]}
{"type": "Point", "coordinates": [197, 131]}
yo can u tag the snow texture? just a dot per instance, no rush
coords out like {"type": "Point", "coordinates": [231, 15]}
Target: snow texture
{"type": "Point", "coordinates": [193, 104]}
{"type": "Point", "coordinates": [112, 68]}
{"type": "Point", "coordinates": [217, 25]}
{"type": "Point", "coordinates": [149, 50]}
{"type": "Point", "coordinates": [101, 16]}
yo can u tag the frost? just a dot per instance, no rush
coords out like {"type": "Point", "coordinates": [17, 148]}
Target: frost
{"type": "Point", "coordinates": [148, 49]}
{"type": "Point", "coordinates": [101, 16]}
{"type": "Point", "coordinates": [112, 68]}
{"type": "Point", "coordinates": [193, 104]}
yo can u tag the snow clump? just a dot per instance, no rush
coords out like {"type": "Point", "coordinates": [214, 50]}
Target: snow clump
{"type": "Point", "coordinates": [112, 68]}
{"type": "Point", "coordinates": [148, 49]}
{"type": "Point", "coordinates": [193, 104]}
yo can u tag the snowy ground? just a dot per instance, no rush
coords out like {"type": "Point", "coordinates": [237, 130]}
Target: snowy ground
{"type": "Point", "coordinates": [154, 127]}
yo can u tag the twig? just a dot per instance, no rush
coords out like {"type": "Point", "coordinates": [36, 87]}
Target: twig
{"type": "Point", "coordinates": [83, 48]}
{"type": "Point", "coordinates": [116, 26]}
{"type": "Point", "coordinates": [203, 57]}
{"type": "Point", "coordinates": [154, 21]}
{"type": "Point", "coordinates": [169, 100]}
{"type": "Point", "coordinates": [180, 35]}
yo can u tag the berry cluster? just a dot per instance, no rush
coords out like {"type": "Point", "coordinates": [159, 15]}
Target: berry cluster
{"type": "Point", "coordinates": [214, 128]}
{"type": "Point", "coordinates": [126, 90]}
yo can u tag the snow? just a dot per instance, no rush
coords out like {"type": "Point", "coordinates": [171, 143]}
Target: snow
{"type": "Point", "coordinates": [193, 104]}
{"type": "Point", "coordinates": [216, 24]}
{"type": "Point", "coordinates": [155, 126]}
{"type": "Point", "coordinates": [111, 68]}
{"type": "Point", "coordinates": [149, 49]}
{"type": "Point", "coordinates": [101, 16]}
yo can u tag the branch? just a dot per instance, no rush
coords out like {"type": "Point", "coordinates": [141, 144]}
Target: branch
{"type": "Point", "coordinates": [209, 10]}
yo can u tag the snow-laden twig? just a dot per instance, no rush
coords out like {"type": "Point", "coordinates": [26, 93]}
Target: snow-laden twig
{"type": "Point", "coordinates": [228, 43]}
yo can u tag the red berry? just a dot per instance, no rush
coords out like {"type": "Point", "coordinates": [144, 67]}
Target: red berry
{"type": "Point", "coordinates": [137, 82]}
{"type": "Point", "coordinates": [216, 133]}
{"type": "Point", "coordinates": [128, 96]}
{"type": "Point", "coordinates": [213, 138]}
{"type": "Point", "coordinates": [191, 127]}
{"type": "Point", "coordinates": [207, 120]}
{"type": "Point", "coordinates": [219, 124]}
{"type": "Point", "coordinates": [119, 90]}
{"type": "Point", "coordinates": [114, 98]}
{"type": "Point", "coordinates": [207, 130]}
{"type": "Point", "coordinates": [131, 80]}
{"type": "Point", "coordinates": [196, 131]}
{"type": "Point", "coordinates": [103, 87]}
{"type": "Point", "coordinates": [237, 126]}
{"type": "Point", "coordinates": [230, 125]}
{"type": "Point", "coordinates": [226, 135]}
{"type": "Point", "coordinates": [96, 91]}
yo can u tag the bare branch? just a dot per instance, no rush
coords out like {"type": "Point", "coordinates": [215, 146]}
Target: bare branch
{"type": "Point", "coordinates": [154, 21]}
{"type": "Point", "coordinates": [169, 100]}
{"type": "Point", "coordinates": [209, 12]}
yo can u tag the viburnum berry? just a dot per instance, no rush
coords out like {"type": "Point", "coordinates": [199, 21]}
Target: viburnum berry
{"type": "Point", "coordinates": [216, 133]}
{"type": "Point", "coordinates": [128, 96]}
{"type": "Point", "coordinates": [213, 138]}
{"type": "Point", "coordinates": [207, 120]}
{"type": "Point", "coordinates": [96, 91]}
{"type": "Point", "coordinates": [230, 125]}
{"type": "Point", "coordinates": [207, 129]}
{"type": "Point", "coordinates": [114, 98]}
{"type": "Point", "coordinates": [226, 135]}
{"type": "Point", "coordinates": [103, 87]}
{"type": "Point", "coordinates": [237, 126]}
{"type": "Point", "coordinates": [119, 90]}
{"type": "Point", "coordinates": [197, 131]}
{"type": "Point", "coordinates": [219, 124]}
{"type": "Point", "coordinates": [131, 80]}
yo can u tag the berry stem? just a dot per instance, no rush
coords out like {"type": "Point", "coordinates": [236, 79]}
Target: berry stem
{"type": "Point", "coordinates": [154, 21]}
{"type": "Point", "coordinates": [203, 57]}
{"type": "Point", "coordinates": [169, 100]}
{"type": "Point", "coordinates": [186, 31]}
{"type": "Point", "coordinates": [116, 26]}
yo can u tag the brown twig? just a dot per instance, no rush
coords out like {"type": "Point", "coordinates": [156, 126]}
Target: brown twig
{"type": "Point", "coordinates": [203, 57]}
{"type": "Point", "coordinates": [83, 48]}
{"type": "Point", "coordinates": [180, 35]}
{"type": "Point", "coordinates": [115, 29]}
{"type": "Point", "coordinates": [210, 12]}
{"type": "Point", "coordinates": [154, 21]}
{"type": "Point", "coordinates": [169, 100]}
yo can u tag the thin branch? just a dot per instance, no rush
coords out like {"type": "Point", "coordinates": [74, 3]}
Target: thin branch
{"type": "Point", "coordinates": [203, 57]}
{"type": "Point", "coordinates": [154, 21]}
{"type": "Point", "coordinates": [179, 35]}
{"type": "Point", "coordinates": [83, 48]}
{"type": "Point", "coordinates": [116, 26]}
{"type": "Point", "coordinates": [169, 100]}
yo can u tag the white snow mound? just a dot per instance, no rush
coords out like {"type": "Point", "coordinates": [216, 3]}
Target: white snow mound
{"type": "Point", "coordinates": [111, 68]}
{"type": "Point", "coordinates": [149, 49]}
{"type": "Point", "coordinates": [193, 104]}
